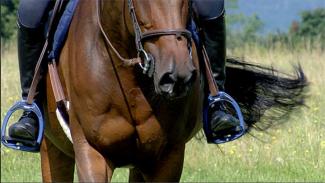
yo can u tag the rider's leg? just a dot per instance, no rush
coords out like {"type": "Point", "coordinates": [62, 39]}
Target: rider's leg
{"type": "Point", "coordinates": [212, 22]}
{"type": "Point", "coordinates": [215, 44]}
{"type": "Point", "coordinates": [30, 43]}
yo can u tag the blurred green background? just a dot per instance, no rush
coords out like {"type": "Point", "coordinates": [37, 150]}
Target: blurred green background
{"type": "Point", "coordinates": [294, 151]}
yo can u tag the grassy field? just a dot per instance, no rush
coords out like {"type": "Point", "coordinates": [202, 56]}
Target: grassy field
{"type": "Point", "coordinates": [294, 151]}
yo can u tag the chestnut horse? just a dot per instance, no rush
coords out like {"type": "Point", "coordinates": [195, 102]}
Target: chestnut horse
{"type": "Point", "coordinates": [120, 117]}
{"type": "Point", "coordinates": [112, 124]}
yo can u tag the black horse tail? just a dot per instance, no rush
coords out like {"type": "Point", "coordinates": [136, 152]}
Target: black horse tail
{"type": "Point", "coordinates": [264, 94]}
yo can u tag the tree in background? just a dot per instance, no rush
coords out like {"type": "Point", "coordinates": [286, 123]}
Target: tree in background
{"type": "Point", "coordinates": [252, 25]}
{"type": "Point", "coordinates": [312, 25]}
{"type": "Point", "coordinates": [8, 19]}
{"type": "Point", "coordinates": [241, 29]}
{"type": "Point", "coordinates": [306, 33]}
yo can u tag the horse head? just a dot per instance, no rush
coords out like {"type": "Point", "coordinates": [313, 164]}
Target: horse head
{"type": "Point", "coordinates": [160, 28]}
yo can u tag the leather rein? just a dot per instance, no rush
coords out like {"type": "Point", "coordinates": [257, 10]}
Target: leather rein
{"type": "Point", "coordinates": [144, 59]}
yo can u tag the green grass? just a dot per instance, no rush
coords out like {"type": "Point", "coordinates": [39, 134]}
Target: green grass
{"type": "Point", "coordinates": [294, 151]}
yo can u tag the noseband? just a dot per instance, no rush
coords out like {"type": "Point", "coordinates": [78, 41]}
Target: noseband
{"type": "Point", "coordinates": [147, 63]}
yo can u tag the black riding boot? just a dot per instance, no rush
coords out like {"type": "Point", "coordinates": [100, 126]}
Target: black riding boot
{"type": "Point", "coordinates": [30, 44]}
{"type": "Point", "coordinates": [214, 35]}
{"type": "Point", "coordinates": [215, 43]}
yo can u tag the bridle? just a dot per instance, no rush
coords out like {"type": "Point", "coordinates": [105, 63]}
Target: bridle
{"type": "Point", "coordinates": [144, 59]}
{"type": "Point", "coordinates": [140, 37]}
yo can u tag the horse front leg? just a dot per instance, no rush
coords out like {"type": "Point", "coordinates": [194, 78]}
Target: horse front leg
{"type": "Point", "coordinates": [91, 165]}
{"type": "Point", "coordinates": [168, 168]}
{"type": "Point", "coordinates": [56, 166]}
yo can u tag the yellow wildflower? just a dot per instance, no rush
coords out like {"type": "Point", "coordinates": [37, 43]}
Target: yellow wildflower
{"type": "Point", "coordinates": [322, 144]}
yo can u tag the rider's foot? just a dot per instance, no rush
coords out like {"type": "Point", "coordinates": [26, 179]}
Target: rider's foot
{"type": "Point", "coordinates": [26, 128]}
{"type": "Point", "coordinates": [223, 124]}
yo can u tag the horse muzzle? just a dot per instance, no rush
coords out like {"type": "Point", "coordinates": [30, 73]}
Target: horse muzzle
{"type": "Point", "coordinates": [176, 83]}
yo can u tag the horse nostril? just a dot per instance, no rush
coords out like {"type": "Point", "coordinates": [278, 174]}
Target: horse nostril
{"type": "Point", "coordinates": [167, 83]}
